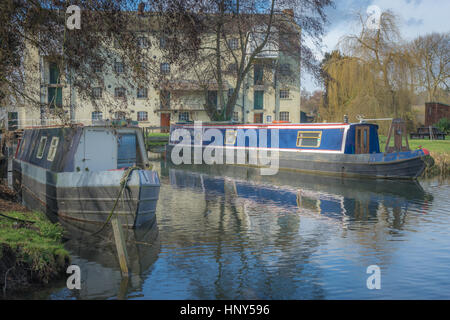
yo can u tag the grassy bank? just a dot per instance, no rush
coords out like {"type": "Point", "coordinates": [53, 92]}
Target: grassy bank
{"type": "Point", "coordinates": [157, 139]}
{"type": "Point", "coordinates": [439, 150]}
{"type": "Point", "coordinates": [31, 249]}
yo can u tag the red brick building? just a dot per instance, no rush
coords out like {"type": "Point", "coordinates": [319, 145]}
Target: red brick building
{"type": "Point", "coordinates": [434, 111]}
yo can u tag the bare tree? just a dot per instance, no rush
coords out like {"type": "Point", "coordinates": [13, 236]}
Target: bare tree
{"type": "Point", "coordinates": [37, 28]}
{"type": "Point", "coordinates": [431, 57]}
{"type": "Point", "coordinates": [213, 40]}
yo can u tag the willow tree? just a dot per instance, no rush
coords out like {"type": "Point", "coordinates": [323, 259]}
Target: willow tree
{"type": "Point", "coordinates": [350, 88]}
{"type": "Point", "coordinates": [373, 77]}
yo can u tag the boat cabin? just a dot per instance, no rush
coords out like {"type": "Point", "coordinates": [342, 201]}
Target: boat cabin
{"type": "Point", "coordinates": [355, 138]}
{"type": "Point", "coordinates": [79, 148]}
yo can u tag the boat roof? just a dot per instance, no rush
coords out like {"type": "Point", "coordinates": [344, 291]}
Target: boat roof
{"type": "Point", "coordinates": [80, 125]}
{"type": "Point", "coordinates": [323, 125]}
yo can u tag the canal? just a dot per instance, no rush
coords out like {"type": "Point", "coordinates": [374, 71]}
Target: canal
{"type": "Point", "coordinates": [230, 233]}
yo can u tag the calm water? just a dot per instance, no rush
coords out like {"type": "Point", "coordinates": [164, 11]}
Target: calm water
{"type": "Point", "coordinates": [230, 233]}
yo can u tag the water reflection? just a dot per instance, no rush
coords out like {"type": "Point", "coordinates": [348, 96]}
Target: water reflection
{"type": "Point", "coordinates": [230, 233]}
{"type": "Point", "coordinates": [343, 200]}
{"type": "Point", "coordinates": [226, 232]}
{"type": "Point", "coordinates": [96, 256]}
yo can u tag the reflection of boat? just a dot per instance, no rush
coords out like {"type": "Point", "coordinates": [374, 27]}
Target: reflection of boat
{"type": "Point", "coordinates": [342, 149]}
{"type": "Point", "coordinates": [97, 258]}
{"type": "Point", "coordinates": [332, 197]}
{"type": "Point", "coordinates": [76, 173]}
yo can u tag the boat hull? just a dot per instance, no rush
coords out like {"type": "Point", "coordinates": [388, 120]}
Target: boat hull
{"type": "Point", "coordinates": [400, 165]}
{"type": "Point", "coordinates": [88, 196]}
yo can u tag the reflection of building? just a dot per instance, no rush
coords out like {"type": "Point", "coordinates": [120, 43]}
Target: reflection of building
{"type": "Point", "coordinates": [263, 97]}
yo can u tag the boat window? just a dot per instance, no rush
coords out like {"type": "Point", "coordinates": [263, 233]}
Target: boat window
{"type": "Point", "coordinates": [230, 136]}
{"type": "Point", "coordinates": [41, 147]}
{"type": "Point", "coordinates": [126, 153]}
{"type": "Point", "coordinates": [53, 147]}
{"type": "Point", "coordinates": [309, 139]}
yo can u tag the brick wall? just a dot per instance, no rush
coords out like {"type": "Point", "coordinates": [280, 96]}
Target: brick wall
{"type": "Point", "coordinates": [434, 111]}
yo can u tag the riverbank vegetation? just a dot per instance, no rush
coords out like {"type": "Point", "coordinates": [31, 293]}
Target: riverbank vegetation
{"type": "Point", "coordinates": [31, 248]}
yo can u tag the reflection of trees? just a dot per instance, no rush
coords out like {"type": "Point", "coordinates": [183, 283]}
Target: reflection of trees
{"type": "Point", "coordinates": [260, 249]}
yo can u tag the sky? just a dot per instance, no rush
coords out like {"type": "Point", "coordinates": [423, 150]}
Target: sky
{"type": "Point", "coordinates": [417, 17]}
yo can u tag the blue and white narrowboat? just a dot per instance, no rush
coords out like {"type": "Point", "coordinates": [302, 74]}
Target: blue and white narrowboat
{"type": "Point", "coordinates": [77, 172]}
{"type": "Point", "coordinates": [344, 149]}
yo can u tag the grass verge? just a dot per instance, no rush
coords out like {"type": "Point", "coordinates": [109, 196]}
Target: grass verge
{"type": "Point", "coordinates": [31, 251]}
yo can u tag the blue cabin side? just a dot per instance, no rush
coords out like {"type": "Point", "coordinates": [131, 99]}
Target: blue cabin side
{"type": "Point", "coordinates": [371, 139]}
{"type": "Point", "coordinates": [325, 138]}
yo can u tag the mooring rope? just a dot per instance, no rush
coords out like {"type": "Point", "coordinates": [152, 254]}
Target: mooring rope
{"type": "Point", "coordinates": [17, 219]}
{"type": "Point", "coordinates": [123, 183]}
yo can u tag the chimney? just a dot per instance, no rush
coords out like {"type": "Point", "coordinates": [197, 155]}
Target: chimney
{"type": "Point", "coordinates": [141, 8]}
{"type": "Point", "coordinates": [289, 12]}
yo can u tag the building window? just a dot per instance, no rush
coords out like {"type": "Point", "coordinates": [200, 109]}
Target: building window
{"type": "Point", "coordinates": [162, 42]}
{"type": "Point", "coordinates": [258, 118]}
{"type": "Point", "coordinates": [284, 41]}
{"type": "Point", "coordinates": [309, 139]}
{"type": "Point", "coordinates": [183, 116]}
{"type": "Point", "coordinates": [212, 99]}
{"type": "Point", "coordinates": [13, 121]}
{"type": "Point", "coordinates": [96, 67]}
{"type": "Point", "coordinates": [142, 42]}
{"type": "Point", "coordinates": [258, 74]}
{"type": "Point", "coordinates": [230, 92]}
{"type": "Point", "coordinates": [233, 43]}
{"type": "Point", "coordinates": [118, 67]}
{"type": "Point", "coordinates": [41, 147]}
{"type": "Point", "coordinates": [285, 69]}
{"type": "Point", "coordinates": [258, 100]}
{"type": "Point", "coordinates": [284, 94]}
{"type": "Point", "coordinates": [268, 119]}
{"type": "Point", "coordinates": [54, 97]}
{"type": "Point", "coordinates": [142, 116]}
{"type": "Point", "coordinates": [232, 67]}
{"type": "Point", "coordinates": [52, 149]}
{"type": "Point", "coordinates": [164, 99]}
{"type": "Point", "coordinates": [120, 115]}
{"type": "Point", "coordinates": [165, 68]}
{"type": "Point", "coordinates": [54, 73]}
{"type": "Point", "coordinates": [54, 92]}
{"type": "Point", "coordinates": [236, 116]}
{"type": "Point", "coordinates": [119, 92]}
{"type": "Point", "coordinates": [97, 92]}
{"type": "Point", "coordinates": [142, 93]}
{"type": "Point", "coordinates": [96, 115]}
{"type": "Point", "coordinates": [284, 116]}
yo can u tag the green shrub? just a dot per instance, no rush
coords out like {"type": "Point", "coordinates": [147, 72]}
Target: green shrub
{"type": "Point", "coordinates": [443, 125]}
